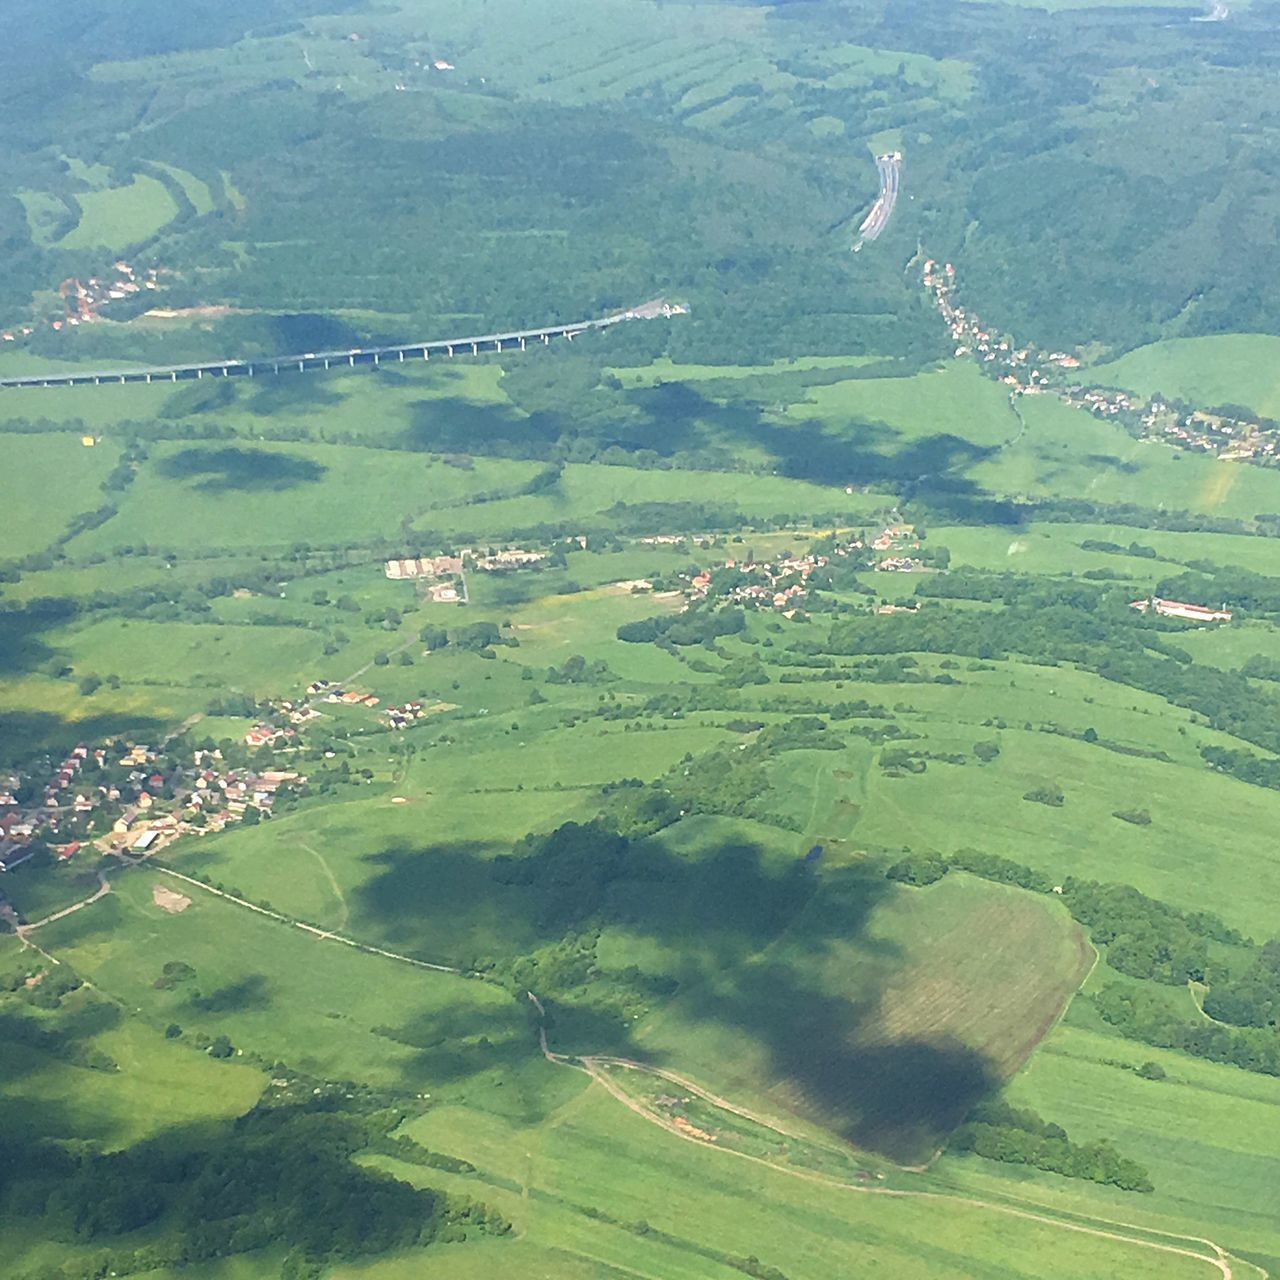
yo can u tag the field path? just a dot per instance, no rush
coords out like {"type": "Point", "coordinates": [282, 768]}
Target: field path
{"type": "Point", "coordinates": [104, 888]}
{"type": "Point", "coordinates": [345, 910]}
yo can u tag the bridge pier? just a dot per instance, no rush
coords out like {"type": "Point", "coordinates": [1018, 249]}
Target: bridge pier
{"type": "Point", "coordinates": [450, 351]}
{"type": "Point", "coordinates": [225, 370]}
{"type": "Point", "coordinates": [148, 377]}
{"type": "Point", "coordinates": [475, 349]}
{"type": "Point", "coordinates": [546, 339]}
{"type": "Point", "coordinates": [199, 373]}
{"type": "Point", "coordinates": [402, 357]}
{"type": "Point", "coordinates": [300, 365]}
{"type": "Point", "coordinates": [173, 377]}
{"type": "Point", "coordinates": [521, 344]}
{"type": "Point", "coordinates": [377, 359]}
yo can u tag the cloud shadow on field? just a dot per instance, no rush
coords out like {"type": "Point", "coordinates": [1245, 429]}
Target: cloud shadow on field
{"type": "Point", "coordinates": [451, 424]}
{"type": "Point", "coordinates": [221, 470]}
{"type": "Point", "coordinates": [712, 918]}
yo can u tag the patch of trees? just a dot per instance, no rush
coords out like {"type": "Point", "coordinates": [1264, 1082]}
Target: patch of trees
{"type": "Point", "coordinates": [1047, 793]}
{"type": "Point", "coordinates": [1114, 548]}
{"type": "Point", "coordinates": [577, 670]}
{"type": "Point", "coordinates": [991, 866]}
{"type": "Point", "coordinates": [1250, 998]}
{"type": "Point", "coordinates": [1228, 586]}
{"type": "Point", "coordinates": [1142, 1015]}
{"type": "Point", "coordinates": [277, 1178]}
{"type": "Point", "coordinates": [1261, 668]}
{"type": "Point", "coordinates": [696, 625]}
{"type": "Point", "coordinates": [475, 637]}
{"type": "Point", "coordinates": [919, 869]}
{"type": "Point", "coordinates": [1075, 622]}
{"type": "Point", "coordinates": [1135, 817]}
{"type": "Point", "coordinates": [1013, 1135]}
{"type": "Point", "coordinates": [1261, 771]}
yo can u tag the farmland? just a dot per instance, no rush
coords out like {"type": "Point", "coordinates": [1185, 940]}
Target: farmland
{"type": "Point", "coordinates": [696, 800]}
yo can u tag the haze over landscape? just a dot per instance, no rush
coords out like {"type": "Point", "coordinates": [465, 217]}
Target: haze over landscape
{"type": "Point", "coordinates": [639, 639]}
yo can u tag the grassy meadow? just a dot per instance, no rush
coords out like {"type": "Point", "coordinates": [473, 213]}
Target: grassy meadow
{"type": "Point", "coordinates": [677, 842]}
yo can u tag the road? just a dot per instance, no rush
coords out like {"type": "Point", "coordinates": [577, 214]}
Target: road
{"type": "Point", "coordinates": [310, 360]}
{"type": "Point", "coordinates": [889, 167]}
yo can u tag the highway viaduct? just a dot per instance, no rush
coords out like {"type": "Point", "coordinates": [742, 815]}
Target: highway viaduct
{"type": "Point", "coordinates": [251, 366]}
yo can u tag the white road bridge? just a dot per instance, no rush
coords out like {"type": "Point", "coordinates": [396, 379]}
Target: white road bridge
{"type": "Point", "coordinates": [251, 366]}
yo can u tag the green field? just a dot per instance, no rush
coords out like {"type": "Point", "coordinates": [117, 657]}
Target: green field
{"type": "Point", "coordinates": [121, 216]}
{"type": "Point", "coordinates": [32, 522]}
{"type": "Point", "coordinates": [859, 1012]}
{"type": "Point", "coordinates": [680, 936]}
{"type": "Point", "coordinates": [1237, 368]}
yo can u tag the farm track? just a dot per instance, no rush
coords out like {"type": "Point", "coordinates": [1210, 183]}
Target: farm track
{"type": "Point", "coordinates": [104, 888]}
{"type": "Point", "coordinates": [1129, 1233]}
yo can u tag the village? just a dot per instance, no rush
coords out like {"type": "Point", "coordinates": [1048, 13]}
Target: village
{"type": "Point", "coordinates": [126, 796]}
{"type": "Point", "coordinates": [1027, 371]}
{"type": "Point", "coordinates": [84, 301]}
{"type": "Point", "coordinates": [783, 583]}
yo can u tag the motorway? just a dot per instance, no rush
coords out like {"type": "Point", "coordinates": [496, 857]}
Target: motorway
{"type": "Point", "coordinates": [309, 360]}
{"type": "Point", "coordinates": [889, 167]}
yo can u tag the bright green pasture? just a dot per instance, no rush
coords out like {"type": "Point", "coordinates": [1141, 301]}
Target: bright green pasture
{"type": "Point", "coordinates": [1205, 1133]}
{"type": "Point", "coordinates": [45, 215]}
{"type": "Point", "coordinates": [258, 660]}
{"type": "Point", "coordinates": [120, 216]}
{"type": "Point", "coordinates": [225, 494]}
{"type": "Point", "coordinates": [38, 889]}
{"type": "Point", "coordinates": [954, 400]}
{"type": "Point", "coordinates": [1234, 645]}
{"type": "Point", "coordinates": [1205, 848]}
{"type": "Point", "coordinates": [407, 865]}
{"type": "Point", "coordinates": [1055, 548]}
{"type": "Point", "coordinates": [160, 1084]}
{"type": "Point", "coordinates": [321, 1007]}
{"type": "Point", "coordinates": [52, 477]}
{"type": "Point", "coordinates": [594, 1154]}
{"type": "Point", "coordinates": [1067, 452]}
{"type": "Point", "coordinates": [122, 574]}
{"type": "Point", "coordinates": [1229, 368]}
{"type": "Point", "coordinates": [43, 713]}
{"type": "Point", "coordinates": [589, 489]}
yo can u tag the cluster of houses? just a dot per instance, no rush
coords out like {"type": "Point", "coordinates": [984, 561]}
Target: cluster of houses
{"type": "Point", "coordinates": [401, 716]}
{"type": "Point", "coordinates": [121, 796]}
{"type": "Point", "coordinates": [85, 300]}
{"type": "Point", "coordinates": [998, 354]}
{"type": "Point", "coordinates": [1026, 371]}
{"type": "Point", "coordinates": [899, 540]}
{"type": "Point", "coordinates": [1227, 436]}
{"type": "Point", "coordinates": [766, 584]}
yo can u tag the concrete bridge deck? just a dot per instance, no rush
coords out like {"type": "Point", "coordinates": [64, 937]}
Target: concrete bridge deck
{"type": "Point", "coordinates": [309, 360]}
